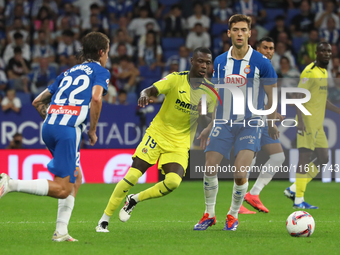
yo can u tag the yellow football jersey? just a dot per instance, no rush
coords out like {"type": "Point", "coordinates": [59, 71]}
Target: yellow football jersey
{"type": "Point", "coordinates": [314, 79]}
{"type": "Point", "coordinates": [176, 121]}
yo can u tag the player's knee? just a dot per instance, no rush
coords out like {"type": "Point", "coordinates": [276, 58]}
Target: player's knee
{"type": "Point", "coordinates": [278, 158]}
{"type": "Point", "coordinates": [172, 181]}
{"type": "Point", "coordinates": [133, 175]}
{"type": "Point", "coordinates": [64, 191]}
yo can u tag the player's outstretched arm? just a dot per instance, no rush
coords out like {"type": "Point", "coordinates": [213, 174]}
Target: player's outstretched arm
{"type": "Point", "coordinates": [96, 107]}
{"type": "Point", "coordinates": [145, 95]}
{"type": "Point", "coordinates": [42, 101]}
{"type": "Point", "coordinates": [205, 132]}
{"type": "Point", "coordinates": [272, 129]}
{"type": "Point", "coordinates": [332, 107]}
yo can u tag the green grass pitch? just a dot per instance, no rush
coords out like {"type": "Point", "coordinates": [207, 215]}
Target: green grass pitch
{"type": "Point", "coordinates": [164, 225]}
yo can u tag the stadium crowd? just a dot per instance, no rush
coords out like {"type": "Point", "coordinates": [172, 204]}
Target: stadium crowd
{"type": "Point", "coordinates": [39, 39]}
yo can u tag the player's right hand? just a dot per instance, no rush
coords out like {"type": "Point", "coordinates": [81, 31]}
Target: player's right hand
{"type": "Point", "coordinates": [204, 137]}
{"type": "Point", "coordinates": [92, 137]}
{"type": "Point", "coordinates": [144, 101]}
{"type": "Point", "coordinates": [301, 128]}
{"type": "Point", "coordinates": [273, 132]}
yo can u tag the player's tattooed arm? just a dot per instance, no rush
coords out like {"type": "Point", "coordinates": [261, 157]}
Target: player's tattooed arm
{"type": "Point", "coordinates": [145, 95]}
{"type": "Point", "coordinates": [42, 102]}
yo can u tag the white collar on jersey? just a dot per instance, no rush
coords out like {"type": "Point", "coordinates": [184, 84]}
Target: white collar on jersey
{"type": "Point", "coordinates": [246, 57]}
{"type": "Point", "coordinates": [91, 61]}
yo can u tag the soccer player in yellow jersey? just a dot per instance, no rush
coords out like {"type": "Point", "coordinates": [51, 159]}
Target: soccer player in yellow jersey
{"type": "Point", "coordinates": [311, 138]}
{"type": "Point", "coordinates": [168, 137]}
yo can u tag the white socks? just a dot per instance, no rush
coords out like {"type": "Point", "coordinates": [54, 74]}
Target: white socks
{"type": "Point", "coordinates": [267, 172]}
{"type": "Point", "coordinates": [239, 192]}
{"type": "Point", "coordinates": [36, 187]}
{"type": "Point", "coordinates": [104, 218]}
{"type": "Point", "coordinates": [293, 187]}
{"type": "Point", "coordinates": [65, 207]}
{"type": "Point", "coordinates": [299, 200]}
{"type": "Point", "coordinates": [210, 185]}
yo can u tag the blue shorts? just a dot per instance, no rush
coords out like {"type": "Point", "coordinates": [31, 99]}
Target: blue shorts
{"type": "Point", "coordinates": [63, 143]}
{"type": "Point", "coordinates": [223, 137]}
{"type": "Point", "coordinates": [266, 139]}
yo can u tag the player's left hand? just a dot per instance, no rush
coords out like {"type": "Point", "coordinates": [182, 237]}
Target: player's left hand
{"type": "Point", "coordinates": [204, 137]}
{"type": "Point", "coordinates": [279, 116]}
{"type": "Point", "coordinates": [144, 101]}
{"type": "Point", "coordinates": [273, 132]}
{"type": "Point", "coordinates": [92, 137]}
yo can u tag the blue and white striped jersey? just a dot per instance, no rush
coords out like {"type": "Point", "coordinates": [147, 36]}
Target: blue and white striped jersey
{"type": "Point", "coordinates": [253, 71]}
{"type": "Point", "coordinates": [72, 93]}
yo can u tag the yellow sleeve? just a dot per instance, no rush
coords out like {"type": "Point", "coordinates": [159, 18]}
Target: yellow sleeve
{"type": "Point", "coordinates": [165, 84]}
{"type": "Point", "coordinates": [306, 79]}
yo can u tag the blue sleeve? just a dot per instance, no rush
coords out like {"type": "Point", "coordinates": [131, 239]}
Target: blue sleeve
{"type": "Point", "coordinates": [267, 72]}
{"type": "Point", "coordinates": [102, 78]}
{"type": "Point", "coordinates": [54, 86]}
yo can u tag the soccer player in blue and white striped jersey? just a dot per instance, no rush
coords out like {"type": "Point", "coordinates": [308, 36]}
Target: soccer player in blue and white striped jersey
{"type": "Point", "coordinates": [64, 106]}
{"type": "Point", "coordinates": [239, 69]}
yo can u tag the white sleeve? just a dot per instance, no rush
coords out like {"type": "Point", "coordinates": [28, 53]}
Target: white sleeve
{"type": "Point", "coordinates": [17, 102]}
{"type": "Point", "coordinates": [4, 101]}
{"type": "Point", "coordinates": [159, 50]}
{"type": "Point", "coordinates": [8, 54]}
{"type": "Point", "coordinates": [141, 52]}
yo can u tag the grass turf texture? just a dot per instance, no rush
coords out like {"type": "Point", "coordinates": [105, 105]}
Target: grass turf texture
{"type": "Point", "coordinates": [164, 225]}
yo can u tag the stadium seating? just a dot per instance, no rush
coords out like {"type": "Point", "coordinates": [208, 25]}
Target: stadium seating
{"type": "Point", "coordinates": [172, 43]}
{"type": "Point", "coordinates": [271, 15]}
{"type": "Point", "coordinates": [168, 54]}
{"type": "Point", "coordinates": [291, 13]}
{"type": "Point", "coordinates": [297, 42]}
{"type": "Point", "coordinates": [131, 98]}
{"type": "Point", "coordinates": [217, 29]}
{"type": "Point", "coordinates": [24, 97]}
{"type": "Point", "coordinates": [147, 73]}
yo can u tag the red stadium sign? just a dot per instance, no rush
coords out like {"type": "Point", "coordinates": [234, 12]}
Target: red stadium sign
{"type": "Point", "coordinates": [97, 165]}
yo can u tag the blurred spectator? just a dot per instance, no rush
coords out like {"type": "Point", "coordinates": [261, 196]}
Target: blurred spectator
{"type": "Point", "coordinates": [42, 77]}
{"type": "Point", "coordinates": [198, 38]}
{"type": "Point", "coordinates": [330, 34]}
{"type": "Point", "coordinates": [334, 92]}
{"type": "Point", "coordinates": [251, 7]}
{"type": "Point", "coordinates": [175, 23]}
{"type": "Point", "coordinates": [120, 40]}
{"type": "Point", "coordinates": [10, 6]}
{"type": "Point", "coordinates": [302, 23]}
{"type": "Point", "coordinates": [3, 82]}
{"type": "Point", "coordinates": [118, 8]}
{"type": "Point", "coordinates": [16, 143]}
{"type": "Point", "coordinates": [42, 49]}
{"type": "Point", "coordinates": [222, 13]}
{"type": "Point", "coordinates": [224, 38]}
{"type": "Point", "coordinates": [280, 51]}
{"type": "Point", "coordinates": [173, 67]}
{"type": "Point", "coordinates": [289, 76]}
{"type": "Point", "coordinates": [284, 37]}
{"type": "Point", "coordinates": [58, 35]}
{"type": "Point", "coordinates": [182, 59]}
{"type": "Point", "coordinates": [322, 17]}
{"type": "Point", "coordinates": [150, 27]}
{"type": "Point", "coordinates": [150, 53]}
{"type": "Point", "coordinates": [121, 50]}
{"type": "Point", "coordinates": [317, 6]}
{"type": "Point", "coordinates": [307, 51]}
{"type": "Point", "coordinates": [11, 102]}
{"type": "Point", "coordinates": [95, 26]}
{"type": "Point", "coordinates": [18, 42]}
{"type": "Point", "coordinates": [126, 74]}
{"type": "Point", "coordinates": [17, 69]}
{"type": "Point", "coordinates": [122, 96]}
{"type": "Point", "coordinates": [335, 69]}
{"type": "Point", "coordinates": [226, 47]}
{"type": "Point", "coordinates": [84, 7]}
{"type": "Point", "coordinates": [280, 27]}
{"type": "Point", "coordinates": [51, 5]}
{"type": "Point", "coordinates": [138, 25]}
{"type": "Point", "coordinates": [17, 27]}
{"type": "Point", "coordinates": [111, 95]}
{"type": "Point", "coordinates": [101, 19]}
{"type": "Point", "coordinates": [198, 17]}
{"type": "Point", "coordinates": [43, 15]}
{"type": "Point", "coordinates": [67, 47]}
{"type": "Point", "coordinates": [253, 38]}
{"type": "Point", "coordinates": [18, 12]}
{"type": "Point", "coordinates": [261, 31]}
{"type": "Point", "coordinates": [123, 23]}
{"type": "Point", "coordinates": [335, 51]}
{"type": "Point", "coordinates": [70, 16]}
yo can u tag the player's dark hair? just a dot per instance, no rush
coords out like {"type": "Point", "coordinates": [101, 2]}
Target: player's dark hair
{"type": "Point", "coordinates": [93, 43]}
{"type": "Point", "coordinates": [265, 39]}
{"type": "Point", "coordinates": [201, 49]}
{"type": "Point", "coordinates": [320, 44]}
{"type": "Point", "coordinates": [239, 18]}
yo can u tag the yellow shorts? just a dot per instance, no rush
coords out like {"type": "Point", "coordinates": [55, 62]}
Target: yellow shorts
{"type": "Point", "coordinates": [150, 151]}
{"type": "Point", "coordinates": [312, 138]}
